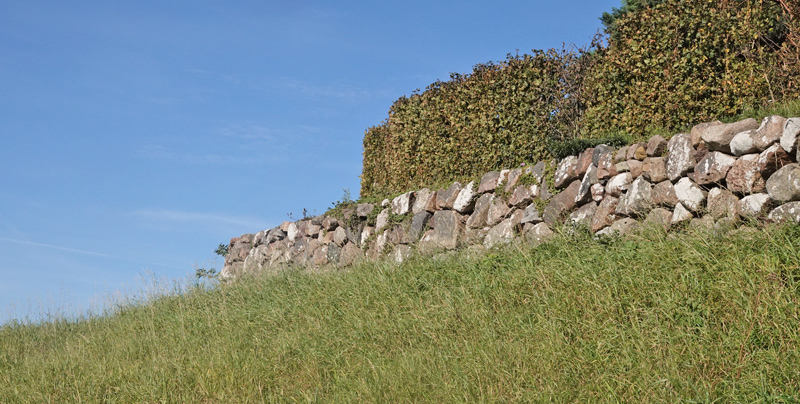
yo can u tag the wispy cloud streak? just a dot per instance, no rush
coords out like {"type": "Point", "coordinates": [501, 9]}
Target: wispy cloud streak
{"type": "Point", "coordinates": [55, 247]}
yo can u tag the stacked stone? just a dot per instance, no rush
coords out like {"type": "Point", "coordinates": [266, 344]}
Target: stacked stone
{"type": "Point", "coordinates": [713, 176]}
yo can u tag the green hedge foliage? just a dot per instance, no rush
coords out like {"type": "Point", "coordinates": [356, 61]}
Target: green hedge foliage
{"type": "Point", "coordinates": [500, 115]}
{"type": "Point", "coordinates": [667, 65]}
{"type": "Point", "coordinates": [681, 62]}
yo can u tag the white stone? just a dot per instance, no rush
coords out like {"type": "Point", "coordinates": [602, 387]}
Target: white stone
{"type": "Point", "coordinates": [292, 232]}
{"type": "Point", "coordinates": [753, 205]}
{"type": "Point", "coordinates": [618, 184]}
{"type": "Point", "coordinates": [403, 203]}
{"type": "Point", "coordinates": [465, 200]}
{"type": "Point", "coordinates": [382, 220]}
{"type": "Point", "coordinates": [791, 130]}
{"type": "Point", "coordinates": [681, 214]}
{"type": "Point", "coordinates": [690, 194]}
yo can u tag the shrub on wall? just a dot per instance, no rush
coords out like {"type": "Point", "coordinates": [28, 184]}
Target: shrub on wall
{"type": "Point", "coordinates": [683, 61]}
{"type": "Point", "coordinates": [498, 116]}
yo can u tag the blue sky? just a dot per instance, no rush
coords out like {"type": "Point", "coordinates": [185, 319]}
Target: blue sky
{"type": "Point", "coordinates": [138, 135]}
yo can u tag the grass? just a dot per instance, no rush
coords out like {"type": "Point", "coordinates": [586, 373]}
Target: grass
{"type": "Point", "coordinates": [651, 318]}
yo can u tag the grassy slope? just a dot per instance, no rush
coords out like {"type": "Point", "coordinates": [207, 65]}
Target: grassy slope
{"type": "Point", "coordinates": [653, 318]}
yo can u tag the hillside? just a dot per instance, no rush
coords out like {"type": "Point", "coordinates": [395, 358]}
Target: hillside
{"type": "Point", "coordinates": [690, 316]}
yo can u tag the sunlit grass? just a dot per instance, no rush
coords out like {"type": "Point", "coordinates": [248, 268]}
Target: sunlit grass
{"type": "Point", "coordinates": [653, 318]}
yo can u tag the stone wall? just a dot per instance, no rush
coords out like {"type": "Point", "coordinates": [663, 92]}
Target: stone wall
{"type": "Point", "coordinates": [716, 176]}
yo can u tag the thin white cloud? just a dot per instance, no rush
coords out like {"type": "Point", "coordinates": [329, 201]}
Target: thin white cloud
{"type": "Point", "coordinates": [197, 218]}
{"type": "Point", "coordinates": [55, 247]}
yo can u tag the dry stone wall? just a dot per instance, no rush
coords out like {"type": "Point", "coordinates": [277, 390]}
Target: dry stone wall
{"type": "Point", "coordinates": [715, 176]}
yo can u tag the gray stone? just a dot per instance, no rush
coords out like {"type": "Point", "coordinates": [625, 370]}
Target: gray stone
{"type": "Point", "coordinates": [584, 215]}
{"type": "Point", "coordinates": [718, 137]}
{"type": "Point", "coordinates": [605, 214]}
{"type": "Point", "coordinates": [784, 185]}
{"type": "Point", "coordinates": [350, 255]}
{"type": "Point", "coordinates": [479, 216]}
{"type": "Point", "coordinates": [791, 130]}
{"type": "Point", "coordinates": [659, 217]}
{"type": "Point", "coordinates": [656, 146]}
{"type": "Point", "coordinates": [448, 228]}
{"type": "Point", "coordinates": [538, 171]}
{"type": "Point", "coordinates": [566, 172]}
{"type": "Point", "coordinates": [503, 177]}
{"type": "Point", "coordinates": [334, 253]}
{"type": "Point", "coordinates": [340, 236]}
{"type": "Point", "coordinates": [382, 220]}
{"type": "Point", "coordinates": [744, 177]}
{"type": "Point", "coordinates": [320, 257]}
{"type": "Point", "coordinates": [502, 233]}
{"type": "Point", "coordinates": [446, 198]}
{"type": "Point", "coordinates": [523, 195]}
{"type": "Point", "coordinates": [275, 235]}
{"type": "Point", "coordinates": [403, 203]}
{"type": "Point", "coordinates": [465, 201]}
{"type": "Point", "coordinates": [498, 211]}
{"type": "Point", "coordinates": [329, 223]}
{"type": "Point", "coordinates": [424, 201]}
{"type": "Point", "coordinates": [664, 194]}
{"type": "Point", "coordinates": [638, 200]}
{"type": "Point", "coordinates": [418, 225]}
{"type": "Point", "coordinates": [531, 215]}
{"type": "Point", "coordinates": [364, 209]}
{"type": "Point", "coordinates": [561, 204]}
{"type": "Point", "coordinates": [788, 212]}
{"type": "Point", "coordinates": [680, 156]}
{"type": "Point", "coordinates": [366, 233]}
{"type": "Point", "coordinates": [398, 235]}
{"type": "Point", "coordinates": [537, 233]}
{"type": "Point", "coordinates": [754, 206]}
{"type": "Point", "coordinates": [722, 203]}
{"type": "Point", "coordinates": [489, 182]}
{"type": "Point", "coordinates": [690, 194]}
{"type": "Point", "coordinates": [705, 223]}
{"type": "Point", "coordinates": [619, 184]}
{"type": "Point", "coordinates": [713, 168]}
{"type": "Point", "coordinates": [513, 177]}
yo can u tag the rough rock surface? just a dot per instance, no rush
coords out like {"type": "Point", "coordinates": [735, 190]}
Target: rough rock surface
{"type": "Point", "coordinates": [680, 158]}
{"type": "Point", "coordinates": [713, 168]}
{"type": "Point", "coordinates": [502, 233]}
{"type": "Point", "coordinates": [425, 200]}
{"type": "Point", "coordinates": [754, 206]}
{"type": "Point", "coordinates": [784, 185]}
{"type": "Point", "coordinates": [744, 177]}
{"type": "Point", "coordinates": [605, 214]}
{"type": "Point", "coordinates": [788, 212]}
{"type": "Point", "coordinates": [690, 195]}
{"type": "Point", "coordinates": [403, 203]}
{"type": "Point", "coordinates": [638, 200]}
{"type": "Point", "coordinates": [561, 204]}
{"type": "Point", "coordinates": [718, 137]}
{"type": "Point", "coordinates": [566, 172]}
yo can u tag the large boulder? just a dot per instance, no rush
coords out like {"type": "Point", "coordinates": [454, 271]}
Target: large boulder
{"type": "Point", "coordinates": [489, 182]}
{"type": "Point", "coordinates": [561, 204]}
{"type": "Point", "coordinates": [789, 136]}
{"type": "Point", "coordinates": [772, 159]}
{"type": "Point", "coordinates": [656, 146]}
{"type": "Point", "coordinates": [537, 233]}
{"type": "Point", "coordinates": [502, 233]}
{"type": "Point", "coordinates": [446, 198]}
{"type": "Point", "coordinates": [418, 225]}
{"type": "Point", "coordinates": [788, 212]}
{"type": "Point", "coordinates": [784, 185]}
{"type": "Point", "coordinates": [531, 215]}
{"type": "Point", "coordinates": [425, 200]}
{"type": "Point", "coordinates": [744, 176]}
{"type": "Point", "coordinates": [722, 203]}
{"type": "Point", "coordinates": [690, 195]}
{"type": "Point", "coordinates": [465, 201]}
{"type": "Point", "coordinates": [697, 131]}
{"type": "Point", "coordinates": [664, 194]}
{"type": "Point", "coordinates": [638, 200]}
{"type": "Point", "coordinates": [713, 168]}
{"type": "Point", "coordinates": [754, 206]}
{"type": "Point", "coordinates": [680, 156]}
{"type": "Point", "coordinates": [584, 215]}
{"type": "Point", "coordinates": [566, 172]}
{"type": "Point", "coordinates": [757, 140]}
{"type": "Point", "coordinates": [605, 214]}
{"type": "Point", "coordinates": [447, 229]}
{"type": "Point", "coordinates": [718, 137]}
{"type": "Point", "coordinates": [479, 215]}
{"type": "Point", "coordinates": [619, 184]}
{"type": "Point", "coordinates": [654, 169]}
{"type": "Point", "coordinates": [498, 211]}
{"type": "Point", "coordinates": [403, 203]}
